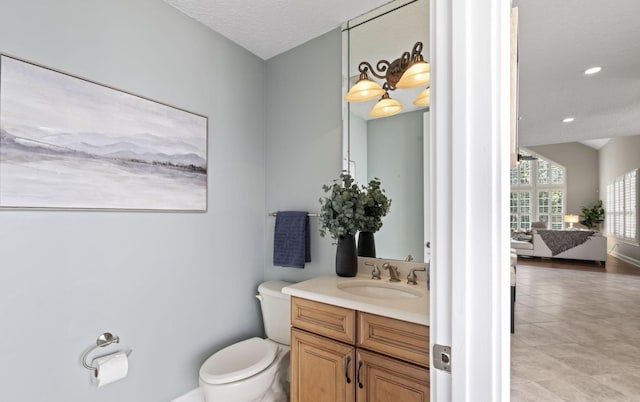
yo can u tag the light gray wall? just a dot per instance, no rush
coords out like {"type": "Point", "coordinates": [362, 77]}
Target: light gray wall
{"type": "Point", "coordinates": [619, 156]}
{"type": "Point", "coordinates": [395, 156]}
{"type": "Point", "coordinates": [174, 286]}
{"type": "Point", "coordinates": [583, 172]}
{"type": "Point", "coordinates": [358, 149]}
{"type": "Point", "coordinates": [304, 137]}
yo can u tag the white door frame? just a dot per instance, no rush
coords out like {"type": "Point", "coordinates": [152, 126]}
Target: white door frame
{"type": "Point", "coordinates": [469, 197]}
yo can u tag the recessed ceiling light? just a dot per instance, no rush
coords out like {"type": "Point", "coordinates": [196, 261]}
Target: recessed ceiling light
{"type": "Point", "coordinates": [592, 70]}
{"type": "Point", "coordinates": [568, 119]}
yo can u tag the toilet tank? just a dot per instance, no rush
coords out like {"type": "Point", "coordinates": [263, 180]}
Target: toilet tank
{"type": "Point", "coordinates": [276, 311]}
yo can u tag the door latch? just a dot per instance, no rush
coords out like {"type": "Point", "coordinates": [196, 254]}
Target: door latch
{"type": "Point", "coordinates": [442, 357]}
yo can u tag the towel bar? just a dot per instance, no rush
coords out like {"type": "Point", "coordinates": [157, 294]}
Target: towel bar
{"type": "Point", "coordinates": [309, 214]}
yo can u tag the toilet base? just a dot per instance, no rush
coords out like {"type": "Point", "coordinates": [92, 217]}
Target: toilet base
{"type": "Point", "coordinates": [270, 385]}
{"type": "Point", "coordinates": [279, 390]}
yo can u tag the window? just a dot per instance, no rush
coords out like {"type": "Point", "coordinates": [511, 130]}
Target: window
{"type": "Point", "coordinates": [538, 193]}
{"type": "Point", "coordinates": [520, 210]}
{"type": "Point", "coordinates": [621, 209]}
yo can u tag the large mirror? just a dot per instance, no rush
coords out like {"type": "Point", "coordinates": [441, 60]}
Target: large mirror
{"type": "Point", "coordinates": [392, 148]}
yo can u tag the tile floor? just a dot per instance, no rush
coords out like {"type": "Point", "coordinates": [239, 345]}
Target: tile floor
{"type": "Point", "coordinates": [577, 334]}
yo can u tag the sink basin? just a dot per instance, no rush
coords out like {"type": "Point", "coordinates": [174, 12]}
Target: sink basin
{"type": "Point", "coordinates": [379, 290]}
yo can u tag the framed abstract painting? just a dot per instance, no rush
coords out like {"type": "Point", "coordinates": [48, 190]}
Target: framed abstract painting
{"type": "Point", "coordinates": [70, 143]}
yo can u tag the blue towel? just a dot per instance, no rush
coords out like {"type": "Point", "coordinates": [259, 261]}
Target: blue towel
{"type": "Point", "coordinates": [291, 240]}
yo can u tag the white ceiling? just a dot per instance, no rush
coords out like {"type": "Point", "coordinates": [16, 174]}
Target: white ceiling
{"type": "Point", "coordinates": [558, 40]}
{"type": "Point", "coordinates": [269, 27]}
{"type": "Point", "coordinates": [596, 144]}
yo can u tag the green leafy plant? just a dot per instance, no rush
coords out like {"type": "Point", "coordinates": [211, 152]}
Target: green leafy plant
{"type": "Point", "coordinates": [376, 205]}
{"type": "Point", "coordinates": [594, 216]}
{"type": "Point", "coordinates": [342, 211]}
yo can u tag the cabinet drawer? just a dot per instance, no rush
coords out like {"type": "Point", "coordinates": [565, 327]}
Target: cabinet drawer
{"type": "Point", "coordinates": [401, 339]}
{"type": "Point", "coordinates": [324, 319]}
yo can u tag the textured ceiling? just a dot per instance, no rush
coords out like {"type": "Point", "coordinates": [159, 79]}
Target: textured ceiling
{"type": "Point", "coordinates": [558, 40]}
{"type": "Point", "coordinates": [269, 27]}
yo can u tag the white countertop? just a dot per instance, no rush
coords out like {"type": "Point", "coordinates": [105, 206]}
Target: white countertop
{"type": "Point", "coordinates": [324, 289]}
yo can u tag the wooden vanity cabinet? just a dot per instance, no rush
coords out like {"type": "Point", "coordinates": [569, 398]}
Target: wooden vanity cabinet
{"type": "Point", "coordinates": [343, 355]}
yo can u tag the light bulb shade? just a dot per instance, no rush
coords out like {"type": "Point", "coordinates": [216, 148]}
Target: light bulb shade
{"type": "Point", "coordinates": [424, 99]}
{"type": "Point", "coordinates": [572, 218]}
{"type": "Point", "coordinates": [385, 107]}
{"type": "Point", "coordinates": [364, 90]}
{"type": "Point", "coordinates": [419, 74]}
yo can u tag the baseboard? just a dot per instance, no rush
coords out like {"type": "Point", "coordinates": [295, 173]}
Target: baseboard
{"type": "Point", "coordinates": [194, 395]}
{"type": "Point", "coordinates": [625, 258]}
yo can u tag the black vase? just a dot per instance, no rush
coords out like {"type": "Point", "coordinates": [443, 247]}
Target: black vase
{"type": "Point", "coordinates": [366, 245]}
{"type": "Point", "coordinates": [346, 257]}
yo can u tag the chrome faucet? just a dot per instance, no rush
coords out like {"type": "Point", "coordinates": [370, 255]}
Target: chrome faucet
{"type": "Point", "coordinates": [394, 275]}
{"type": "Point", "coordinates": [412, 279]}
{"type": "Point", "coordinates": [375, 273]}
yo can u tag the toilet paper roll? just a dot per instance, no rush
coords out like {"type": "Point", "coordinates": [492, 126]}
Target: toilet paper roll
{"type": "Point", "coordinates": [110, 368]}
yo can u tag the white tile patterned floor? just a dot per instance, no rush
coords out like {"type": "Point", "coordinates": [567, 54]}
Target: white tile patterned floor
{"type": "Point", "coordinates": [577, 336]}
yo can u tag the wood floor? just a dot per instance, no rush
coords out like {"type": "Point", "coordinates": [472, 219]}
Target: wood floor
{"type": "Point", "coordinates": [577, 331]}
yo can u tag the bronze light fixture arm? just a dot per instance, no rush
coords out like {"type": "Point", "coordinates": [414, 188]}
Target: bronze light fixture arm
{"type": "Point", "coordinates": [365, 67]}
{"type": "Point", "coordinates": [416, 52]}
{"type": "Point", "coordinates": [392, 73]}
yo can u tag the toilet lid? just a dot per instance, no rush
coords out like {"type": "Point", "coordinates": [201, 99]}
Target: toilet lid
{"type": "Point", "coordinates": [238, 361]}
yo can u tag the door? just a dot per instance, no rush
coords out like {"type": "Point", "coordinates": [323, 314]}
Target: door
{"type": "Point", "coordinates": [384, 379]}
{"type": "Point", "coordinates": [427, 188]}
{"type": "Point", "coordinates": [321, 369]}
{"type": "Point", "coordinates": [469, 311]}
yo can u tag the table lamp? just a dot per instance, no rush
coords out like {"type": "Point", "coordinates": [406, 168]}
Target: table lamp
{"type": "Point", "coordinates": [571, 219]}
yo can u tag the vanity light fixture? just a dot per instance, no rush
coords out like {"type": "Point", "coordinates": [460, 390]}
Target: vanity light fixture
{"type": "Point", "coordinates": [386, 107]}
{"type": "Point", "coordinates": [592, 70]}
{"type": "Point", "coordinates": [408, 71]}
{"type": "Point", "coordinates": [364, 90]}
{"type": "Point", "coordinates": [424, 99]}
{"type": "Point", "coordinates": [568, 119]}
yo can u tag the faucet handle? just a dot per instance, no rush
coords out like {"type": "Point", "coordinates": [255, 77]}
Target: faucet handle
{"type": "Point", "coordinates": [394, 275]}
{"type": "Point", "coordinates": [412, 279]}
{"type": "Point", "coordinates": [375, 273]}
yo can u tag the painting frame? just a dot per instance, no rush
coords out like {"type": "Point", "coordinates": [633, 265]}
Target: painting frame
{"type": "Point", "coordinates": [71, 143]}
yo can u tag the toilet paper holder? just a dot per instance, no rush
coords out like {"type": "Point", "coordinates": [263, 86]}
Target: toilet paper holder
{"type": "Point", "coordinates": [103, 340]}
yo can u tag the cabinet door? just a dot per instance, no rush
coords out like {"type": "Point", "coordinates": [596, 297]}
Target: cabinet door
{"type": "Point", "coordinates": [384, 379]}
{"type": "Point", "coordinates": [321, 369]}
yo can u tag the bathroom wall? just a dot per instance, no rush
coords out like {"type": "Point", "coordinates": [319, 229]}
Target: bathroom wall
{"type": "Point", "coordinates": [174, 286]}
{"type": "Point", "coordinates": [303, 146]}
{"type": "Point", "coordinates": [395, 154]}
{"type": "Point", "coordinates": [358, 151]}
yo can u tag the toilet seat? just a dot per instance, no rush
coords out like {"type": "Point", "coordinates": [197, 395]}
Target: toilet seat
{"type": "Point", "coordinates": [238, 361]}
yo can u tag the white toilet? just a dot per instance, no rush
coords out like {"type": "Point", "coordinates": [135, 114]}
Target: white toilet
{"type": "Point", "coordinates": [255, 369]}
